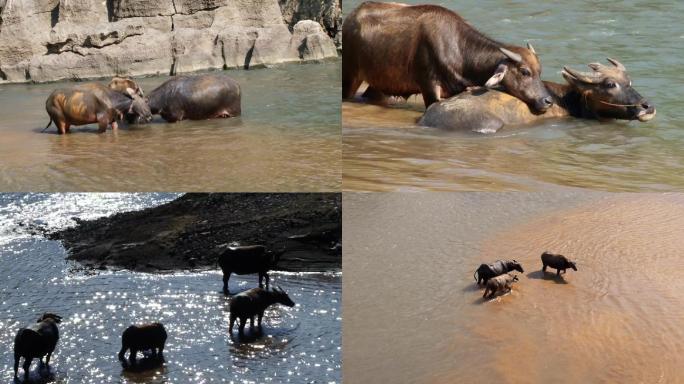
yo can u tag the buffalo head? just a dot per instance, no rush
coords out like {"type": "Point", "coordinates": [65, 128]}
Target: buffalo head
{"type": "Point", "coordinates": [519, 72]}
{"type": "Point", "coordinates": [607, 92]}
{"type": "Point", "coordinates": [139, 112]}
{"type": "Point", "coordinates": [281, 297]}
{"type": "Point", "coordinates": [572, 265]}
{"type": "Point", "coordinates": [516, 266]}
{"type": "Point", "coordinates": [51, 316]}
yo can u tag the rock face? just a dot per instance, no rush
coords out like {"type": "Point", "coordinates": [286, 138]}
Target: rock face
{"type": "Point", "coordinates": [192, 230]}
{"type": "Point", "coordinates": [48, 40]}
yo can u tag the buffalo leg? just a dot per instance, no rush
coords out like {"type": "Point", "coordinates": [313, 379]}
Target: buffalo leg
{"type": "Point", "coordinates": [226, 277]}
{"type": "Point", "coordinates": [485, 293]}
{"type": "Point", "coordinates": [16, 364]}
{"type": "Point", "coordinates": [27, 366]}
{"type": "Point", "coordinates": [268, 279]}
{"type": "Point", "coordinates": [261, 277]}
{"type": "Point", "coordinates": [47, 359]}
{"type": "Point", "coordinates": [259, 317]}
{"type": "Point", "coordinates": [428, 89]}
{"type": "Point", "coordinates": [251, 322]}
{"type": "Point", "coordinates": [102, 122]}
{"type": "Point", "coordinates": [131, 357]}
{"type": "Point", "coordinates": [232, 321]}
{"type": "Point", "coordinates": [544, 268]}
{"type": "Point", "coordinates": [241, 327]}
{"type": "Point", "coordinates": [61, 127]}
{"type": "Point", "coordinates": [558, 272]}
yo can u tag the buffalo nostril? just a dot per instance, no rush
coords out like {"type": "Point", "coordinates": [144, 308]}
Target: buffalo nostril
{"type": "Point", "coordinates": [645, 105]}
{"type": "Point", "coordinates": [548, 101]}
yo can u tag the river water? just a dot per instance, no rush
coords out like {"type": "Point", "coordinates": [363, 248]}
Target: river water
{"type": "Point", "coordinates": [287, 139]}
{"type": "Point", "coordinates": [413, 313]}
{"type": "Point", "coordinates": [384, 149]}
{"type": "Point", "coordinates": [300, 344]}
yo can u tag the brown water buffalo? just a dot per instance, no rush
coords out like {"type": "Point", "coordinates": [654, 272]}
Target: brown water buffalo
{"type": "Point", "coordinates": [196, 98]}
{"type": "Point", "coordinates": [251, 303]}
{"type": "Point", "coordinates": [94, 103]}
{"type": "Point", "coordinates": [486, 271]}
{"type": "Point", "coordinates": [146, 337]}
{"type": "Point", "coordinates": [36, 341]}
{"type": "Point", "coordinates": [247, 259]}
{"type": "Point", "coordinates": [400, 50]}
{"type": "Point", "coordinates": [557, 262]}
{"type": "Point", "coordinates": [605, 93]}
{"type": "Point", "coordinates": [497, 284]}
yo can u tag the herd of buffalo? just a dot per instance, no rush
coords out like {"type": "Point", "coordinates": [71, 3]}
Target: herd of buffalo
{"type": "Point", "coordinates": [179, 98]}
{"type": "Point", "coordinates": [496, 276]}
{"type": "Point", "coordinates": [39, 340]}
{"type": "Point", "coordinates": [400, 50]}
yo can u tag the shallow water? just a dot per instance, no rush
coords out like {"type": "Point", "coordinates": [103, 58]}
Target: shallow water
{"type": "Point", "coordinates": [287, 139]}
{"type": "Point", "coordinates": [414, 313]}
{"type": "Point", "coordinates": [300, 344]}
{"type": "Point", "coordinates": [647, 37]}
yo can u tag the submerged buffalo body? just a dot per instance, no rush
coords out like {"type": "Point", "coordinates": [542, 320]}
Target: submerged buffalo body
{"type": "Point", "coordinates": [247, 259]}
{"type": "Point", "coordinates": [500, 283]}
{"type": "Point", "coordinates": [94, 103]}
{"type": "Point", "coordinates": [557, 262]}
{"type": "Point", "coordinates": [605, 93]}
{"type": "Point", "coordinates": [400, 50]}
{"type": "Point", "coordinates": [35, 342]}
{"type": "Point", "coordinates": [147, 337]}
{"type": "Point", "coordinates": [499, 267]}
{"type": "Point", "coordinates": [196, 98]}
{"type": "Point", "coordinates": [253, 303]}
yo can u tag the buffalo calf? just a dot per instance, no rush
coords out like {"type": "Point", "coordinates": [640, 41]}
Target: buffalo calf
{"type": "Point", "coordinates": [251, 303]}
{"type": "Point", "coordinates": [499, 283]}
{"type": "Point", "coordinates": [557, 262]}
{"type": "Point", "coordinates": [143, 338]}
{"type": "Point", "coordinates": [36, 341]}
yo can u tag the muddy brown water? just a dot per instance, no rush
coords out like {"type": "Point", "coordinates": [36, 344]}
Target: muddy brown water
{"type": "Point", "coordinates": [414, 314]}
{"type": "Point", "coordinates": [287, 139]}
{"type": "Point", "coordinates": [300, 344]}
{"type": "Point", "coordinates": [385, 150]}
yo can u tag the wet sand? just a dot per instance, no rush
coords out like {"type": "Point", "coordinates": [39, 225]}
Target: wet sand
{"type": "Point", "coordinates": [414, 313]}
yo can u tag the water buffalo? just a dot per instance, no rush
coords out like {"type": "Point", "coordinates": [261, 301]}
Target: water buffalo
{"type": "Point", "coordinates": [499, 267]}
{"type": "Point", "coordinates": [143, 338]}
{"type": "Point", "coordinates": [251, 303]}
{"type": "Point", "coordinates": [94, 103]}
{"type": "Point", "coordinates": [36, 341]}
{"type": "Point", "coordinates": [196, 98]}
{"type": "Point", "coordinates": [247, 259]}
{"type": "Point", "coordinates": [557, 262]}
{"type": "Point", "coordinates": [499, 283]}
{"type": "Point", "coordinates": [400, 50]}
{"type": "Point", "coordinates": [605, 93]}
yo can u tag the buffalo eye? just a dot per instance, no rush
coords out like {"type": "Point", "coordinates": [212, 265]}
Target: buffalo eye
{"type": "Point", "coordinates": [610, 84]}
{"type": "Point", "coordinates": [525, 72]}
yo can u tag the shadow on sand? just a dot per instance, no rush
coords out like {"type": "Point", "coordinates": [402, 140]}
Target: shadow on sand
{"type": "Point", "coordinates": [540, 275]}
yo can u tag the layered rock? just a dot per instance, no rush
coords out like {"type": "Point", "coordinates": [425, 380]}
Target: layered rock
{"type": "Point", "coordinates": [47, 40]}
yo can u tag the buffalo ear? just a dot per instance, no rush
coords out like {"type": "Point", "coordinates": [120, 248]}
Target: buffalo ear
{"type": "Point", "coordinates": [131, 92]}
{"type": "Point", "coordinates": [497, 76]}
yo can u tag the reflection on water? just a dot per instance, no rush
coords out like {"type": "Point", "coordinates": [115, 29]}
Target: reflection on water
{"type": "Point", "coordinates": [384, 150]}
{"type": "Point", "coordinates": [300, 344]}
{"type": "Point", "coordinates": [288, 138]}
{"type": "Point", "coordinates": [409, 288]}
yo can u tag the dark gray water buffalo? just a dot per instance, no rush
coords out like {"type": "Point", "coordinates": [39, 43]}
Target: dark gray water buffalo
{"type": "Point", "coordinates": [605, 93]}
{"type": "Point", "coordinates": [400, 50]}
{"type": "Point", "coordinates": [499, 267]}
{"type": "Point", "coordinates": [245, 260]}
{"type": "Point", "coordinates": [497, 284]}
{"type": "Point", "coordinates": [147, 337]}
{"type": "Point", "coordinates": [557, 262]}
{"type": "Point", "coordinates": [251, 303]}
{"type": "Point", "coordinates": [36, 341]}
{"type": "Point", "coordinates": [94, 103]}
{"type": "Point", "coordinates": [196, 98]}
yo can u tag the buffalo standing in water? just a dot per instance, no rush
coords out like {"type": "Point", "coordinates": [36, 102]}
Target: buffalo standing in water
{"type": "Point", "coordinates": [95, 103]}
{"type": "Point", "coordinates": [247, 259]}
{"type": "Point", "coordinates": [251, 303]}
{"type": "Point", "coordinates": [400, 50]}
{"type": "Point", "coordinates": [35, 342]}
{"type": "Point", "coordinates": [196, 98]}
{"type": "Point", "coordinates": [605, 93]}
{"type": "Point", "coordinates": [143, 338]}
{"type": "Point", "coordinates": [557, 262]}
{"type": "Point", "coordinates": [499, 284]}
{"type": "Point", "coordinates": [499, 267]}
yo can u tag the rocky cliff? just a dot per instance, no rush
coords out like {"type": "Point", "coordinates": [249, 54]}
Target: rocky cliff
{"type": "Point", "coordinates": [47, 40]}
{"type": "Point", "coordinates": [192, 230]}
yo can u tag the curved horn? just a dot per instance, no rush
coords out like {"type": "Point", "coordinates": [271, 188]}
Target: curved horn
{"type": "Point", "coordinates": [583, 77]}
{"type": "Point", "coordinates": [531, 48]}
{"type": "Point", "coordinates": [511, 55]}
{"type": "Point", "coordinates": [617, 64]}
